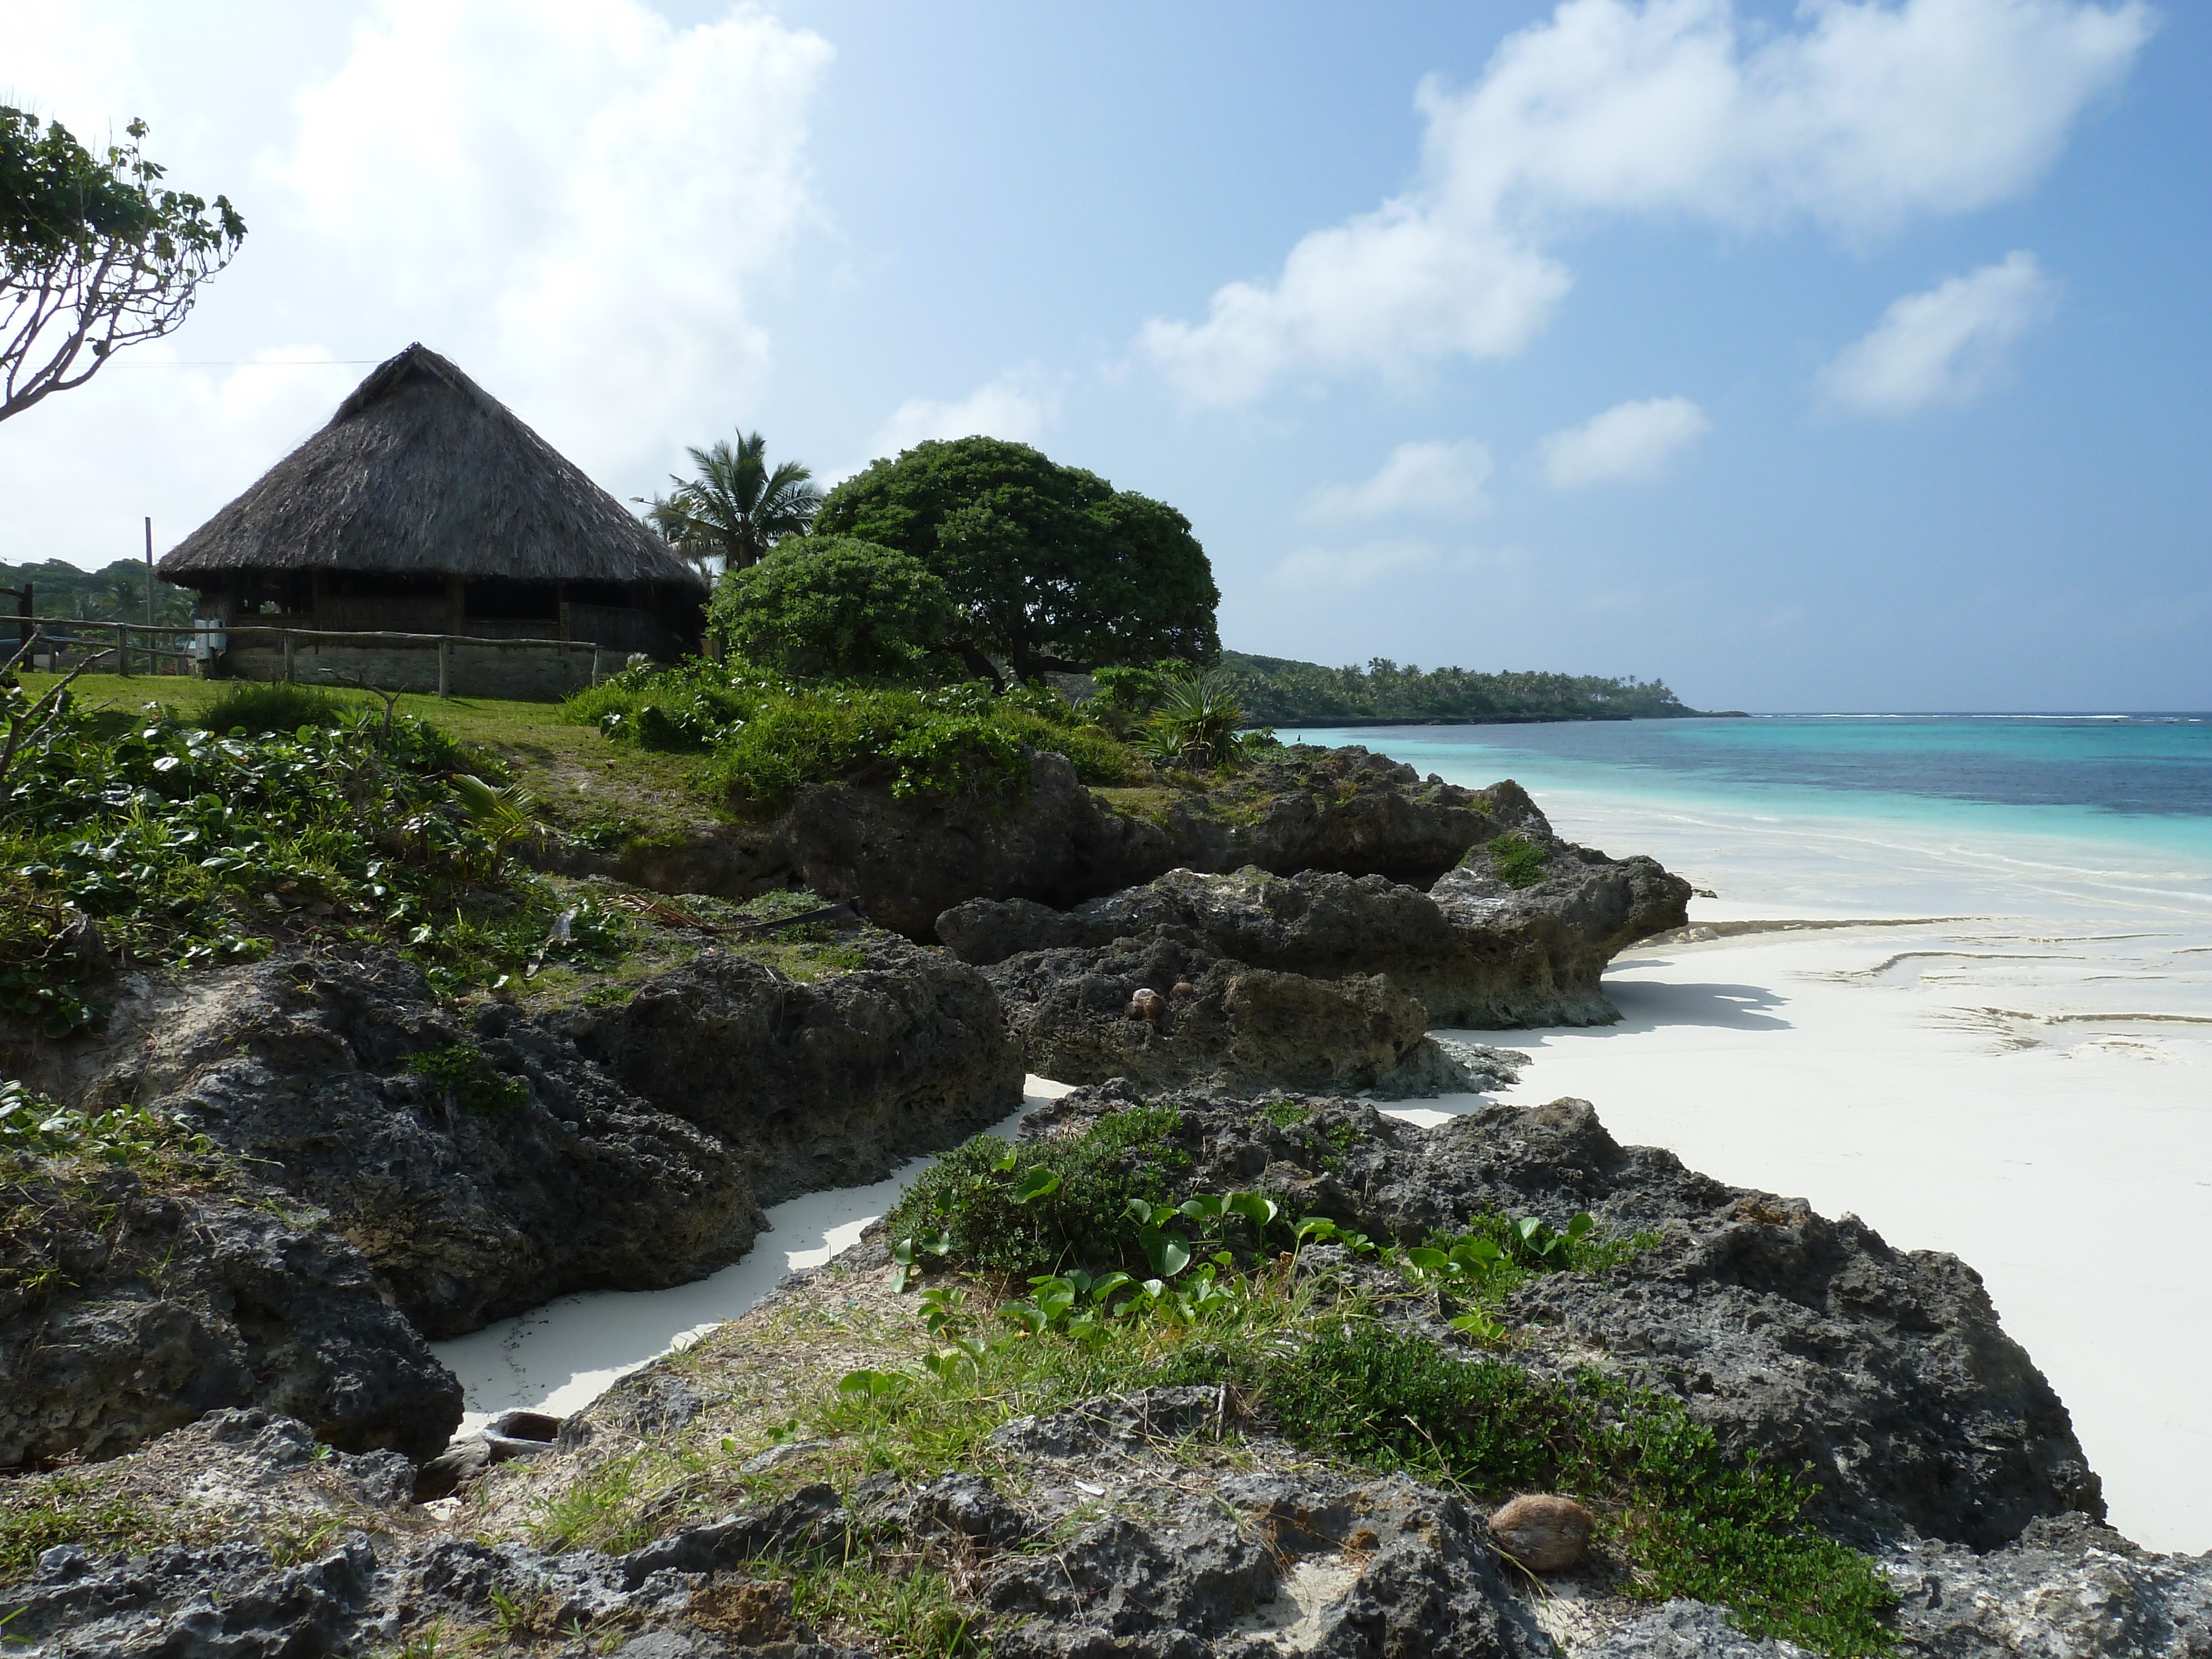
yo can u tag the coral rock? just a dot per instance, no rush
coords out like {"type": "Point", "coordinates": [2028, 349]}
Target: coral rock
{"type": "Point", "coordinates": [1542, 1532]}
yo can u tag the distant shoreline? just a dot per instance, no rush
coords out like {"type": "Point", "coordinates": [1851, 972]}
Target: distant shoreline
{"type": "Point", "coordinates": [1350, 722]}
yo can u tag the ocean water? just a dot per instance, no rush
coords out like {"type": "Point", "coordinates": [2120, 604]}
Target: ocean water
{"type": "Point", "coordinates": [2142, 781]}
{"type": "Point", "coordinates": [1952, 974]}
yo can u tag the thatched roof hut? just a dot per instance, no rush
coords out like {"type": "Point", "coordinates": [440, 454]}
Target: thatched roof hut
{"type": "Point", "coordinates": [425, 505]}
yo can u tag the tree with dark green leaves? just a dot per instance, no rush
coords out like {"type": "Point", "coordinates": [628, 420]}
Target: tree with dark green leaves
{"type": "Point", "coordinates": [1050, 567]}
{"type": "Point", "coordinates": [830, 606]}
{"type": "Point", "coordinates": [95, 255]}
{"type": "Point", "coordinates": [737, 508]}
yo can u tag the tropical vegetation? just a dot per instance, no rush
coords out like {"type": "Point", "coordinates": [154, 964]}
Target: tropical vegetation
{"type": "Point", "coordinates": [737, 508]}
{"type": "Point", "coordinates": [834, 607]}
{"type": "Point", "coordinates": [114, 593]}
{"type": "Point", "coordinates": [142, 836]}
{"type": "Point", "coordinates": [1283, 691]}
{"type": "Point", "coordinates": [763, 736]}
{"type": "Point", "coordinates": [1050, 567]}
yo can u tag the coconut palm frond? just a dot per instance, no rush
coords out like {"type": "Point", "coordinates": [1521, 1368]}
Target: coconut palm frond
{"type": "Point", "coordinates": [504, 813]}
{"type": "Point", "coordinates": [736, 508]}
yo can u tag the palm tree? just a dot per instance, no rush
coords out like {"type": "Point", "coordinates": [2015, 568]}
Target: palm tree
{"type": "Point", "coordinates": [127, 594]}
{"type": "Point", "coordinates": [736, 510]}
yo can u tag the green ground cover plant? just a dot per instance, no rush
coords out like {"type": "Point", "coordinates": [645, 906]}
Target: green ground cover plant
{"type": "Point", "coordinates": [899, 1608]}
{"type": "Point", "coordinates": [34, 1129]}
{"type": "Point", "coordinates": [968, 1211]}
{"type": "Point", "coordinates": [1690, 1520]}
{"type": "Point", "coordinates": [39, 1512]}
{"type": "Point", "coordinates": [143, 836]}
{"type": "Point", "coordinates": [468, 1079]}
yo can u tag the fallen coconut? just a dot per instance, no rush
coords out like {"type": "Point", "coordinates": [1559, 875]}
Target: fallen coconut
{"type": "Point", "coordinates": [1147, 1004]}
{"type": "Point", "coordinates": [1542, 1532]}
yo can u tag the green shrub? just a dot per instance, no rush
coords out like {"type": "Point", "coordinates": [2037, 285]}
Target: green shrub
{"type": "Point", "coordinates": [258, 708]}
{"type": "Point", "coordinates": [967, 1201]}
{"type": "Point", "coordinates": [834, 605]}
{"type": "Point", "coordinates": [1099, 759]}
{"type": "Point", "coordinates": [769, 739]}
{"type": "Point", "coordinates": [1518, 861]}
{"type": "Point", "coordinates": [683, 709]}
{"type": "Point", "coordinates": [1193, 723]}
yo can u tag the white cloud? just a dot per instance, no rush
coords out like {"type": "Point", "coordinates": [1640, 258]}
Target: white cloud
{"type": "Point", "coordinates": [1943, 346]}
{"type": "Point", "coordinates": [1356, 567]}
{"type": "Point", "coordinates": [568, 196]}
{"type": "Point", "coordinates": [1324, 568]}
{"type": "Point", "coordinates": [1418, 477]}
{"type": "Point", "coordinates": [1019, 406]}
{"type": "Point", "coordinates": [1858, 119]}
{"type": "Point", "coordinates": [1630, 442]}
{"type": "Point", "coordinates": [576, 200]}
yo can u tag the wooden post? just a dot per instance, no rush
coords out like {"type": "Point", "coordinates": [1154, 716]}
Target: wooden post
{"type": "Point", "coordinates": [149, 572]}
{"type": "Point", "coordinates": [445, 663]}
{"type": "Point", "coordinates": [122, 649]}
{"type": "Point", "coordinates": [288, 656]}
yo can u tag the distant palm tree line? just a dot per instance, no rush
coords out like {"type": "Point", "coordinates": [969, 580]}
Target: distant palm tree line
{"type": "Point", "coordinates": [737, 508]}
{"type": "Point", "coordinates": [117, 594]}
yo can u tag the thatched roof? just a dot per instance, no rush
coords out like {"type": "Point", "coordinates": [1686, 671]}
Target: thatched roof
{"type": "Point", "coordinates": [422, 473]}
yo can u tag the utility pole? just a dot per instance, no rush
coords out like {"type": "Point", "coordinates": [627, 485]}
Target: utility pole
{"type": "Point", "coordinates": [149, 572]}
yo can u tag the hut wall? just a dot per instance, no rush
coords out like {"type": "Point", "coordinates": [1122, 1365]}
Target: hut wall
{"type": "Point", "coordinates": [621, 630]}
{"type": "Point", "coordinates": [391, 613]}
{"type": "Point", "coordinates": [518, 673]}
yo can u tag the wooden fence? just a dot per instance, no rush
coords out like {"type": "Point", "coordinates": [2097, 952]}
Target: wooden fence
{"type": "Point", "coordinates": [63, 631]}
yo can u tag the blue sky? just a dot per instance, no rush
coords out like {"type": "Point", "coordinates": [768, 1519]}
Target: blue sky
{"type": "Point", "coordinates": [1840, 357]}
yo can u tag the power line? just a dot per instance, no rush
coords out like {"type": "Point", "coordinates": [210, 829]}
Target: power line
{"type": "Point", "coordinates": [244, 362]}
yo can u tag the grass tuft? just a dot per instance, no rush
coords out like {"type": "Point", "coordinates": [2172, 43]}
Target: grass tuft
{"type": "Point", "coordinates": [1690, 1520]}
{"type": "Point", "coordinates": [258, 708]}
{"type": "Point", "coordinates": [1518, 861]}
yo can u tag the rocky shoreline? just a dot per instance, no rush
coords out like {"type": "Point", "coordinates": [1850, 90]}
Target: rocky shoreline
{"type": "Point", "coordinates": [218, 1399]}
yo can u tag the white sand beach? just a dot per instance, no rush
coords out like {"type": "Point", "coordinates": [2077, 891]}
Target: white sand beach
{"type": "Point", "coordinates": [2011, 1060]}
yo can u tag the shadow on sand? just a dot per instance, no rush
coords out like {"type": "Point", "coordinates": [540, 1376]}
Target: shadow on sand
{"type": "Point", "coordinates": [1647, 1004]}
